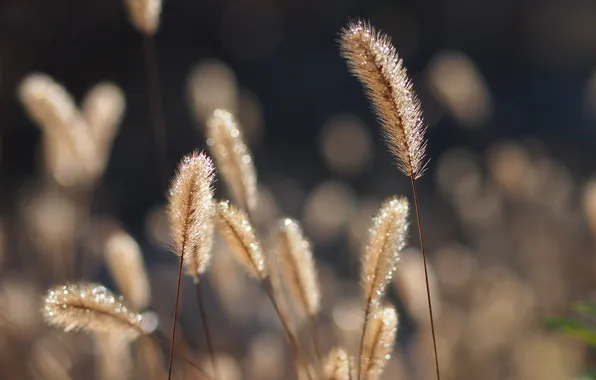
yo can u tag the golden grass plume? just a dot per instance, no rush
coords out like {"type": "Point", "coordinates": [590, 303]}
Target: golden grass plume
{"type": "Point", "coordinates": [125, 262]}
{"type": "Point", "coordinates": [233, 158]}
{"type": "Point", "coordinates": [378, 342]}
{"type": "Point", "coordinates": [236, 229]}
{"type": "Point", "coordinates": [144, 15]}
{"type": "Point", "coordinates": [191, 212]}
{"type": "Point", "coordinates": [103, 108]}
{"type": "Point", "coordinates": [114, 359]}
{"type": "Point", "coordinates": [93, 308]}
{"type": "Point", "coordinates": [386, 238]}
{"type": "Point", "coordinates": [48, 104]}
{"type": "Point", "coordinates": [338, 365]}
{"type": "Point", "coordinates": [372, 58]}
{"type": "Point", "coordinates": [75, 149]}
{"type": "Point", "coordinates": [297, 267]}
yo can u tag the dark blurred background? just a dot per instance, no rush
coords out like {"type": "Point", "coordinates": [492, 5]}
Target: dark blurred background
{"type": "Point", "coordinates": [535, 59]}
{"type": "Point", "coordinates": [508, 90]}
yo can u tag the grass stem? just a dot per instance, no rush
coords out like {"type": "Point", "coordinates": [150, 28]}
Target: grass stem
{"type": "Point", "coordinates": [430, 308]}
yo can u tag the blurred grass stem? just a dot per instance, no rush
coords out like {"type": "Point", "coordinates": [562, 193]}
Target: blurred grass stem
{"type": "Point", "coordinates": [157, 115]}
{"type": "Point", "coordinates": [202, 310]}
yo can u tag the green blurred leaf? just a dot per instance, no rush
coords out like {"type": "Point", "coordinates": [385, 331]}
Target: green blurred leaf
{"type": "Point", "coordinates": [573, 328]}
{"type": "Point", "coordinates": [587, 375]}
{"type": "Point", "coordinates": [586, 308]}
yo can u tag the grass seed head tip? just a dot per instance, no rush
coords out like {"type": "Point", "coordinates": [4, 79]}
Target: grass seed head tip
{"type": "Point", "coordinates": [192, 210]}
{"type": "Point", "coordinates": [297, 267]}
{"type": "Point", "coordinates": [233, 158]}
{"type": "Point", "coordinates": [373, 59]}
{"type": "Point", "coordinates": [386, 238]}
{"type": "Point", "coordinates": [144, 15]}
{"type": "Point", "coordinates": [90, 307]}
{"type": "Point", "coordinates": [239, 234]}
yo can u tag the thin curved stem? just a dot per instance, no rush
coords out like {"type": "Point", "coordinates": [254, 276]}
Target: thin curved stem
{"type": "Point", "coordinates": [364, 325]}
{"type": "Point", "coordinates": [173, 339]}
{"type": "Point", "coordinates": [294, 345]}
{"type": "Point", "coordinates": [430, 308]}
{"type": "Point", "coordinates": [207, 332]}
{"type": "Point", "coordinates": [156, 338]}
{"type": "Point", "coordinates": [314, 330]}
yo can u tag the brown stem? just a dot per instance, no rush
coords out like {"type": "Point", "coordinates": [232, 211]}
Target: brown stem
{"type": "Point", "coordinates": [430, 308]}
{"type": "Point", "coordinates": [375, 341]}
{"type": "Point", "coordinates": [173, 339]}
{"type": "Point", "coordinates": [366, 313]}
{"type": "Point", "coordinates": [314, 329]}
{"type": "Point", "coordinates": [202, 310]}
{"type": "Point", "coordinates": [159, 125]}
{"type": "Point", "coordinates": [294, 345]}
{"type": "Point", "coordinates": [156, 338]}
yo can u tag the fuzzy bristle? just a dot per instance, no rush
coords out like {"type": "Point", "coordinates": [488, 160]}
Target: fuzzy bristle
{"type": "Point", "coordinates": [192, 211]}
{"type": "Point", "coordinates": [378, 342]}
{"type": "Point", "coordinates": [125, 262]}
{"type": "Point", "coordinates": [236, 229]}
{"type": "Point", "coordinates": [297, 267]}
{"type": "Point", "coordinates": [93, 308]}
{"type": "Point", "coordinates": [386, 238]}
{"type": "Point", "coordinates": [144, 15]}
{"type": "Point", "coordinates": [372, 58]}
{"type": "Point", "coordinates": [337, 365]}
{"type": "Point", "coordinates": [233, 158]}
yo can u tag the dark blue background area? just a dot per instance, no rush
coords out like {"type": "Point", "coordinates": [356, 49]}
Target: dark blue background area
{"type": "Point", "coordinates": [536, 78]}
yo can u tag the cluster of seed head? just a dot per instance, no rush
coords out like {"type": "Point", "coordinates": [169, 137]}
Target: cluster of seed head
{"type": "Point", "coordinates": [90, 307]}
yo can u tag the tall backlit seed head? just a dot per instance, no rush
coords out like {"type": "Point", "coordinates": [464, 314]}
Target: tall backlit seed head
{"type": "Point", "coordinates": [378, 342]}
{"type": "Point", "coordinates": [91, 307]}
{"type": "Point", "coordinates": [372, 58]}
{"type": "Point", "coordinates": [191, 211]}
{"type": "Point", "coordinates": [337, 365]}
{"type": "Point", "coordinates": [233, 158]}
{"type": "Point", "coordinates": [386, 238]}
{"type": "Point", "coordinates": [239, 234]}
{"type": "Point", "coordinates": [297, 267]}
{"type": "Point", "coordinates": [125, 262]}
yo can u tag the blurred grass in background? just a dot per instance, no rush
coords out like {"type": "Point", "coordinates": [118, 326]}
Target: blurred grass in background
{"type": "Point", "coordinates": [508, 90]}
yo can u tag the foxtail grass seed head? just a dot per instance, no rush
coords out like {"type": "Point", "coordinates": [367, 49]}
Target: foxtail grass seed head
{"type": "Point", "coordinates": [337, 365]}
{"type": "Point", "coordinates": [191, 212]}
{"type": "Point", "coordinates": [103, 109]}
{"type": "Point", "coordinates": [372, 58]}
{"type": "Point", "coordinates": [144, 15]}
{"type": "Point", "coordinates": [233, 158]}
{"type": "Point", "coordinates": [114, 359]}
{"type": "Point", "coordinates": [125, 262]}
{"type": "Point", "coordinates": [297, 267]}
{"type": "Point", "coordinates": [48, 103]}
{"type": "Point", "coordinates": [386, 238]}
{"type": "Point", "coordinates": [70, 152]}
{"type": "Point", "coordinates": [93, 308]}
{"type": "Point", "coordinates": [235, 228]}
{"type": "Point", "coordinates": [378, 342]}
